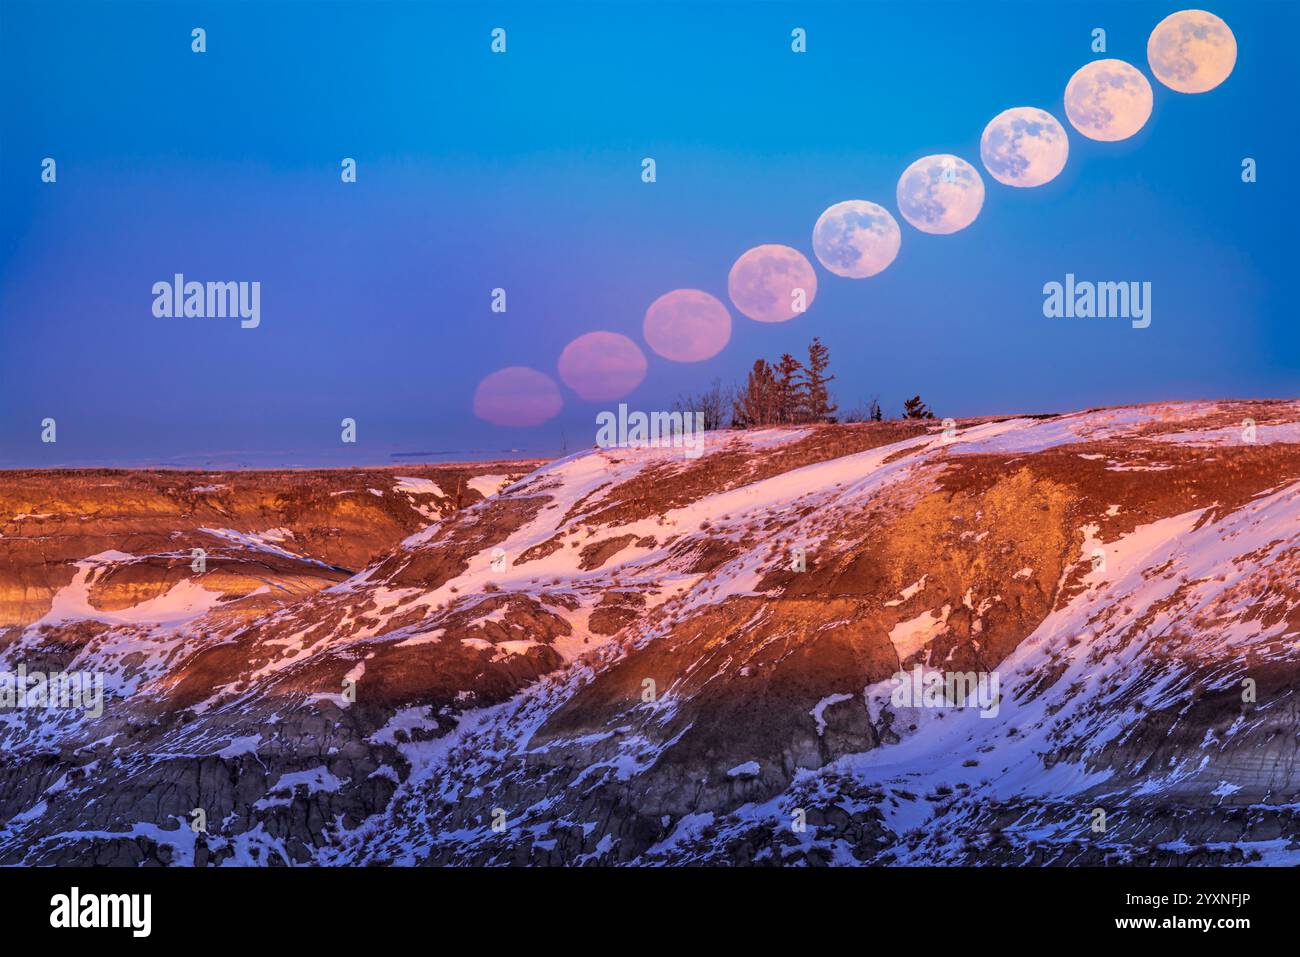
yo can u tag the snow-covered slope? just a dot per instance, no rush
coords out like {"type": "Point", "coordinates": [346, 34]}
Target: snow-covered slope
{"type": "Point", "coordinates": [632, 656]}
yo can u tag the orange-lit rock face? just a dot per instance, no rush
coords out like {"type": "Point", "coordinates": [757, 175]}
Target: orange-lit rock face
{"type": "Point", "coordinates": [286, 533]}
{"type": "Point", "coordinates": [644, 657]}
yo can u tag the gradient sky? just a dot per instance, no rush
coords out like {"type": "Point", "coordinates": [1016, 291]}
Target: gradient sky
{"type": "Point", "coordinates": [523, 171]}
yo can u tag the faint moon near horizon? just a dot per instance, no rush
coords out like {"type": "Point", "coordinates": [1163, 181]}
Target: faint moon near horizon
{"type": "Point", "coordinates": [1191, 51]}
{"type": "Point", "coordinates": [600, 366]}
{"type": "Point", "coordinates": [1024, 146]}
{"type": "Point", "coordinates": [765, 283]}
{"type": "Point", "coordinates": [940, 194]}
{"type": "Point", "coordinates": [517, 396]}
{"type": "Point", "coordinates": [856, 238]}
{"type": "Point", "coordinates": [687, 325]}
{"type": "Point", "coordinates": [1108, 100]}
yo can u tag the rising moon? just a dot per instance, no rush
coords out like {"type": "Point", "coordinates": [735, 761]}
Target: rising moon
{"type": "Point", "coordinates": [1024, 146]}
{"type": "Point", "coordinates": [1108, 100]}
{"type": "Point", "coordinates": [856, 238]}
{"type": "Point", "coordinates": [1191, 51]}
{"type": "Point", "coordinates": [600, 366]}
{"type": "Point", "coordinates": [687, 325]}
{"type": "Point", "coordinates": [772, 283]}
{"type": "Point", "coordinates": [517, 396]}
{"type": "Point", "coordinates": [940, 194]}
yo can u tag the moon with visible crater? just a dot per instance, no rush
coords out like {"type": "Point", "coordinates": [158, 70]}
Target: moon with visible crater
{"type": "Point", "coordinates": [856, 239]}
{"type": "Point", "coordinates": [940, 194]}
{"type": "Point", "coordinates": [1191, 51]}
{"type": "Point", "coordinates": [768, 283]}
{"type": "Point", "coordinates": [1024, 146]}
{"type": "Point", "coordinates": [1108, 100]}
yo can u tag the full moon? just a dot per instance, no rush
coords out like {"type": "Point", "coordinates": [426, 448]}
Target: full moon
{"type": "Point", "coordinates": [687, 325]}
{"type": "Point", "coordinates": [1191, 51]}
{"type": "Point", "coordinates": [940, 194]}
{"type": "Point", "coordinates": [1024, 146]}
{"type": "Point", "coordinates": [602, 365]}
{"type": "Point", "coordinates": [517, 396]}
{"type": "Point", "coordinates": [772, 283]}
{"type": "Point", "coordinates": [856, 238]}
{"type": "Point", "coordinates": [1108, 100]}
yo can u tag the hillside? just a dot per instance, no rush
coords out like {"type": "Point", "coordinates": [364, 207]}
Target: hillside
{"type": "Point", "coordinates": [620, 657]}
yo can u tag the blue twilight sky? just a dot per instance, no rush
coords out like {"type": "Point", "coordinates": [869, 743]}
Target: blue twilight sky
{"type": "Point", "coordinates": [522, 171]}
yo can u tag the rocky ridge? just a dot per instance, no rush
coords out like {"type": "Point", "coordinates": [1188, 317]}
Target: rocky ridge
{"type": "Point", "coordinates": [631, 656]}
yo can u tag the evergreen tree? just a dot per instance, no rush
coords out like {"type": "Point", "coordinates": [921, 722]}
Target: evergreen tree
{"type": "Point", "coordinates": [791, 390]}
{"type": "Point", "coordinates": [914, 408]}
{"type": "Point", "coordinates": [819, 406]}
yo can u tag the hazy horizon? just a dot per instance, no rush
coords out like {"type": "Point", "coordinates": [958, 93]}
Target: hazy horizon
{"type": "Point", "coordinates": [351, 457]}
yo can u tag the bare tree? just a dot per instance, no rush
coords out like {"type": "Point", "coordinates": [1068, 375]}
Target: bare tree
{"type": "Point", "coordinates": [865, 413]}
{"type": "Point", "coordinates": [715, 402]}
{"type": "Point", "coordinates": [759, 402]}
